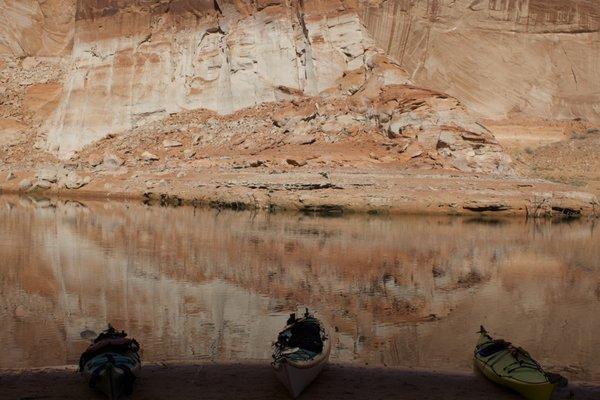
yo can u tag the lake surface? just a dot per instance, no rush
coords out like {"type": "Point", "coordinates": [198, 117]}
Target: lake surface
{"type": "Point", "coordinates": [194, 284]}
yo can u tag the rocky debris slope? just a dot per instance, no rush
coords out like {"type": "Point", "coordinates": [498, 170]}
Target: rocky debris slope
{"type": "Point", "coordinates": [579, 166]}
{"type": "Point", "coordinates": [360, 121]}
{"type": "Point", "coordinates": [357, 147]}
{"type": "Point", "coordinates": [30, 91]}
{"type": "Point", "coordinates": [537, 58]}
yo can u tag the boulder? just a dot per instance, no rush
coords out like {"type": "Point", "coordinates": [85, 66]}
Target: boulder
{"type": "Point", "coordinates": [295, 163]}
{"type": "Point", "coordinates": [300, 139]}
{"type": "Point", "coordinates": [401, 122]}
{"type": "Point", "coordinates": [112, 161]}
{"type": "Point", "coordinates": [256, 163]}
{"type": "Point", "coordinates": [171, 143]}
{"type": "Point", "coordinates": [189, 153]}
{"type": "Point", "coordinates": [40, 184]}
{"type": "Point", "coordinates": [447, 140]}
{"type": "Point", "coordinates": [25, 184]}
{"type": "Point", "coordinates": [94, 160]}
{"type": "Point", "coordinates": [47, 175]}
{"type": "Point", "coordinates": [74, 181]}
{"type": "Point", "coordinates": [147, 156]}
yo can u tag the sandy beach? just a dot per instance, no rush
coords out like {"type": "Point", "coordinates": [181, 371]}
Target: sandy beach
{"type": "Point", "coordinates": [254, 380]}
{"type": "Point", "coordinates": [406, 192]}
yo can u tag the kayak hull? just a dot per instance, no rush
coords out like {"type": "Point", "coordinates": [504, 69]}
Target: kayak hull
{"type": "Point", "coordinates": [113, 382]}
{"type": "Point", "coordinates": [297, 379]}
{"type": "Point", "coordinates": [296, 375]}
{"type": "Point", "coordinates": [531, 391]}
{"type": "Point", "coordinates": [111, 363]}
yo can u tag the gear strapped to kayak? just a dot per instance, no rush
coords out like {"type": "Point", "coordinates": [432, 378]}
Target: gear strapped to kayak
{"type": "Point", "coordinates": [109, 341]}
{"type": "Point", "coordinates": [111, 362]}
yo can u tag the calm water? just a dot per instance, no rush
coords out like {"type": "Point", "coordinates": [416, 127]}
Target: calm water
{"type": "Point", "coordinates": [208, 285]}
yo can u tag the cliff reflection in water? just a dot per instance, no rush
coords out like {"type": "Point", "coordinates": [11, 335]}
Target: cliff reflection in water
{"type": "Point", "coordinates": [203, 284]}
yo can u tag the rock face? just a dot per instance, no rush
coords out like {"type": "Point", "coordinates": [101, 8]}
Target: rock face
{"type": "Point", "coordinates": [36, 27]}
{"type": "Point", "coordinates": [120, 65]}
{"type": "Point", "coordinates": [30, 92]}
{"type": "Point", "coordinates": [126, 63]}
{"type": "Point", "coordinates": [135, 62]}
{"type": "Point", "coordinates": [500, 57]}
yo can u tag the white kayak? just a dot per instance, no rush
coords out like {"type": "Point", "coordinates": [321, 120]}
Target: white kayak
{"type": "Point", "coordinates": [301, 352]}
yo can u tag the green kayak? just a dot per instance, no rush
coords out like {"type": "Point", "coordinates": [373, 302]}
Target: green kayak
{"type": "Point", "coordinates": [513, 367]}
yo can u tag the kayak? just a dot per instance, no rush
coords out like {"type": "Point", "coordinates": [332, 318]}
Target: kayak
{"type": "Point", "coordinates": [111, 363]}
{"type": "Point", "coordinates": [301, 352]}
{"type": "Point", "coordinates": [512, 367]}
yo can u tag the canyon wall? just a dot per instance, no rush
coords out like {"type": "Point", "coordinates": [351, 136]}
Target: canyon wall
{"type": "Point", "coordinates": [128, 63]}
{"type": "Point", "coordinates": [135, 62]}
{"type": "Point", "coordinates": [36, 27]}
{"type": "Point", "coordinates": [537, 58]}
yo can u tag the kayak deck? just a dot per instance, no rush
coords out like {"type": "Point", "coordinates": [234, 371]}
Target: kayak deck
{"type": "Point", "coordinates": [512, 367]}
{"type": "Point", "coordinates": [300, 353]}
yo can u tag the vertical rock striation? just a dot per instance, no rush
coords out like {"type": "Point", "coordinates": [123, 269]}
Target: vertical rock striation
{"type": "Point", "coordinates": [36, 27]}
{"type": "Point", "coordinates": [537, 58]}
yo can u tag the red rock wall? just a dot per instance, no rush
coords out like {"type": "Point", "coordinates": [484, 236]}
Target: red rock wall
{"type": "Point", "coordinates": [536, 58]}
{"type": "Point", "coordinates": [36, 27]}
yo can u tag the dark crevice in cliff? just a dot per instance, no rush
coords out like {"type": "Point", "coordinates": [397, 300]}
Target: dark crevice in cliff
{"type": "Point", "coordinates": [146, 39]}
{"type": "Point", "coordinates": [217, 7]}
{"type": "Point", "coordinates": [300, 15]}
{"type": "Point", "coordinates": [307, 52]}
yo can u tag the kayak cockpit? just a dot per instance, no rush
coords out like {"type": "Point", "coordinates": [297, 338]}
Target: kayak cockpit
{"type": "Point", "coordinates": [300, 352]}
{"type": "Point", "coordinates": [301, 340]}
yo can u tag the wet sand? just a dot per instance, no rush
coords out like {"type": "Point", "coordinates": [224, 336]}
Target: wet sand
{"type": "Point", "coordinates": [255, 380]}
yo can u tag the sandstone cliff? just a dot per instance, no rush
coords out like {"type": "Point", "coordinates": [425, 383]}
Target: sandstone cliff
{"type": "Point", "coordinates": [36, 28]}
{"type": "Point", "coordinates": [133, 63]}
{"type": "Point", "coordinates": [538, 58]}
{"type": "Point", "coordinates": [279, 85]}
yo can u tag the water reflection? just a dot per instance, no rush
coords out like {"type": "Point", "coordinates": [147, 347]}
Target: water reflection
{"type": "Point", "coordinates": [202, 284]}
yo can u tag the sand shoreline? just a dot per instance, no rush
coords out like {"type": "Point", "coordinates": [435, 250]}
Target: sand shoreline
{"type": "Point", "coordinates": [255, 380]}
{"type": "Point", "coordinates": [404, 192]}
